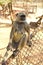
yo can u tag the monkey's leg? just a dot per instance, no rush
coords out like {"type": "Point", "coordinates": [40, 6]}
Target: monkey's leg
{"type": "Point", "coordinates": [22, 42]}
{"type": "Point", "coordinates": [6, 57]}
{"type": "Point", "coordinates": [8, 53]}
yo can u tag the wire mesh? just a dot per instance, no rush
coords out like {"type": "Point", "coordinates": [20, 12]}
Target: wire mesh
{"type": "Point", "coordinates": [31, 55]}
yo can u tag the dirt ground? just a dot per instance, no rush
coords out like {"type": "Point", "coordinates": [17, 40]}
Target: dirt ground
{"type": "Point", "coordinates": [4, 39]}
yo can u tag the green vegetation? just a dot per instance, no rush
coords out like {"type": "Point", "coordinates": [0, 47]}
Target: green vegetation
{"type": "Point", "coordinates": [2, 2]}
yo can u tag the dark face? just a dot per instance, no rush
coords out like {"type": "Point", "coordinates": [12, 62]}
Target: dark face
{"type": "Point", "coordinates": [22, 17]}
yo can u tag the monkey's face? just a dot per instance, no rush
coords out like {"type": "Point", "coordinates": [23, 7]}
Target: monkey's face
{"type": "Point", "coordinates": [21, 17]}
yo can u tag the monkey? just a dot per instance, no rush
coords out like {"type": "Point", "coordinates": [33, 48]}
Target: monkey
{"type": "Point", "coordinates": [19, 36]}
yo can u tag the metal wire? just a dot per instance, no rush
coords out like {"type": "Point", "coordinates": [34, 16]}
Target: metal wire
{"type": "Point", "coordinates": [31, 55]}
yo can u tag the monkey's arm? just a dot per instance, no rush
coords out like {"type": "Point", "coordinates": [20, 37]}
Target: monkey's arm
{"type": "Point", "coordinates": [12, 32]}
{"type": "Point", "coordinates": [27, 28]}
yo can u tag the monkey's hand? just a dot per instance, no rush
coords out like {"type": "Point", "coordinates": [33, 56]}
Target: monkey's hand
{"type": "Point", "coordinates": [15, 53]}
{"type": "Point", "coordinates": [29, 43]}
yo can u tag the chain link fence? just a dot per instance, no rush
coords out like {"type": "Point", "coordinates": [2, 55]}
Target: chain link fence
{"type": "Point", "coordinates": [31, 55]}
